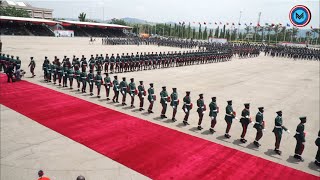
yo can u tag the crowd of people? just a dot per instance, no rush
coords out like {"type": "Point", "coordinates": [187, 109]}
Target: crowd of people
{"type": "Point", "coordinates": [293, 52]}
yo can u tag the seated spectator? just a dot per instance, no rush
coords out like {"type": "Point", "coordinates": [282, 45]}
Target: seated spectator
{"type": "Point", "coordinates": [41, 177]}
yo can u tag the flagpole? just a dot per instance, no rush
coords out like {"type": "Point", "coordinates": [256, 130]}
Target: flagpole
{"type": "Point", "coordinates": [285, 30]}
{"type": "Point", "coordinates": [292, 34]}
{"type": "Point", "coordinates": [239, 26]}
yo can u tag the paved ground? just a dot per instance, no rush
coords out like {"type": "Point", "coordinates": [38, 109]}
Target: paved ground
{"type": "Point", "coordinates": [276, 84]}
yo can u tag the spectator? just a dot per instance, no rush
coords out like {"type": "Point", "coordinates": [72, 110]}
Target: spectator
{"type": "Point", "coordinates": [80, 178]}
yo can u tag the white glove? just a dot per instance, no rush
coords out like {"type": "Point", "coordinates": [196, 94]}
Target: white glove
{"type": "Point", "coordinates": [185, 110]}
{"type": "Point", "coordinates": [288, 131]}
{"type": "Point", "coordinates": [263, 129]}
{"type": "Point", "coordinates": [203, 112]}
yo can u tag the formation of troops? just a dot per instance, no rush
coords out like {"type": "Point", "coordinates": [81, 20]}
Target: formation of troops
{"type": "Point", "coordinates": [293, 52]}
{"type": "Point", "coordinates": [12, 67]}
{"type": "Point", "coordinates": [79, 73]}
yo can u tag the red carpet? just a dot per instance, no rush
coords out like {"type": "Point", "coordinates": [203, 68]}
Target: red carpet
{"type": "Point", "coordinates": [155, 151]}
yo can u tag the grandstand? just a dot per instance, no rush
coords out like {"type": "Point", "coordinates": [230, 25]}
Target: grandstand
{"type": "Point", "coordinates": [43, 27]}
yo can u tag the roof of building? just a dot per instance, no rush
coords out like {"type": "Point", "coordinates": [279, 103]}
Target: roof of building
{"type": "Point", "coordinates": [22, 5]}
{"type": "Point", "coordinates": [91, 24]}
{"type": "Point", "coordinates": [31, 20]}
{"type": "Point", "coordinates": [62, 22]}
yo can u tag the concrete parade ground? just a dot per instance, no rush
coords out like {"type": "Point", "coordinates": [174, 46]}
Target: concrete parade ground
{"type": "Point", "coordinates": [274, 83]}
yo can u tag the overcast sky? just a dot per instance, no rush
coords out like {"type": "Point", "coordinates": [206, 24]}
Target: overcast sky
{"type": "Point", "coordinates": [273, 11]}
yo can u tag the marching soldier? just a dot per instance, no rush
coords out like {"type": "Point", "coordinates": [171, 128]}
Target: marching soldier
{"type": "Point", "coordinates": [245, 120]}
{"type": "Point", "coordinates": [317, 161]}
{"type": "Point", "coordinates": [9, 72]}
{"type": "Point", "coordinates": [259, 125]}
{"type": "Point", "coordinates": [90, 79]}
{"type": "Point", "coordinates": [300, 137]}
{"type": "Point", "coordinates": [123, 88]}
{"type": "Point", "coordinates": [71, 76]}
{"type": "Point", "coordinates": [32, 65]}
{"type": "Point", "coordinates": [107, 84]}
{"type": "Point", "coordinates": [278, 128]}
{"type": "Point", "coordinates": [187, 106]}
{"type": "Point", "coordinates": [201, 110]}
{"type": "Point", "coordinates": [163, 100]}
{"type": "Point", "coordinates": [44, 68]}
{"type": "Point", "coordinates": [214, 110]}
{"type": "Point", "coordinates": [83, 77]}
{"type": "Point", "coordinates": [49, 71]}
{"type": "Point", "coordinates": [77, 76]}
{"type": "Point", "coordinates": [141, 94]}
{"type": "Point", "coordinates": [132, 91]}
{"type": "Point", "coordinates": [60, 72]}
{"type": "Point", "coordinates": [99, 81]}
{"type": "Point", "coordinates": [116, 90]}
{"type": "Point", "coordinates": [151, 97]}
{"type": "Point", "coordinates": [54, 71]}
{"type": "Point", "coordinates": [65, 76]}
{"type": "Point", "coordinates": [230, 115]}
{"type": "Point", "coordinates": [174, 103]}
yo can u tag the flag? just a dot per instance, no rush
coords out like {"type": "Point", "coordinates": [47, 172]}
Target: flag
{"type": "Point", "coordinates": [220, 23]}
{"type": "Point", "coordinates": [179, 22]}
{"type": "Point", "coordinates": [210, 23]}
{"type": "Point", "coordinates": [215, 23]}
{"type": "Point", "coordinates": [232, 24]}
{"type": "Point", "coordinates": [204, 23]}
{"type": "Point", "coordinates": [280, 24]}
{"type": "Point", "coordinates": [311, 27]}
{"type": "Point", "coordinates": [227, 24]}
{"type": "Point", "coordinates": [251, 24]}
{"type": "Point", "coordinates": [245, 24]}
{"type": "Point", "coordinates": [288, 24]}
{"type": "Point", "coordinates": [267, 24]}
{"type": "Point", "coordinates": [272, 24]}
{"type": "Point", "coordinates": [258, 25]}
{"type": "Point", "coordinates": [239, 24]}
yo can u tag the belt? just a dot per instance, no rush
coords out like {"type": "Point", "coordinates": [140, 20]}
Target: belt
{"type": "Point", "coordinates": [278, 127]}
{"type": "Point", "coordinates": [133, 90]}
{"type": "Point", "coordinates": [77, 75]}
{"type": "Point", "coordinates": [99, 80]}
{"type": "Point", "coordinates": [108, 83]}
{"type": "Point", "coordinates": [297, 133]}
{"type": "Point", "coordinates": [228, 115]}
{"type": "Point", "coordinates": [83, 77]}
{"type": "Point", "coordinates": [244, 117]}
{"type": "Point", "coordinates": [258, 123]}
{"type": "Point", "coordinates": [176, 100]}
{"type": "Point", "coordinates": [71, 74]}
{"type": "Point", "coordinates": [91, 79]}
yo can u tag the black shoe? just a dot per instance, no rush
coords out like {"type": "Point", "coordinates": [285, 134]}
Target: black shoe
{"type": "Point", "coordinates": [162, 116]}
{"type": "Point", "coordinates": [91, 94]}
{"type": "Point", "coordinates": [174, 119]}
{"type": "Point", "coordinates": [98, 96]}
{"type": "Point", "coordinates": [113, 101]}
{"type": "Point", "coordinates": [212, 130]}
{"type": "Point", "coordinates": [227, 136]}
{"type": "Point", "coordinates": [108, 99]}
{"type": "Point", "coordinates": [132, 106]}
{"type": "Point", "coordinates": [78, 89]}
{"type": "Point", "coordinates": [165, 116]}
{"type": "Point", "coordinates": [317, 163]}
{"type": "Point", "coordinates": [200, 128]}
{"type": "Point", "coordinates": [277, 152]}
{"type": "Point", "coordinates": [256, 143]}
{"type": "Point", "coordinates": [117, 101]}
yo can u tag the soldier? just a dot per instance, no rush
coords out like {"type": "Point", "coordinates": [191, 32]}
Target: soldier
{"type": "Point", "coordinates": [71, 76]}
{"type": "Point", "coordinates": [317, 161]}
{"type": "Point", "coordinates": [151, 97]}
{"type": "Point", "coordinates": [60, 72]}
{"type": "Point", "coordinates": [32, 65]}
{"type": "Point", "coordinates": [54, 71]}
{"type": "Point", "coordinates": [245, 120]}
{"type": "Point", "coordinates": [187, 106]}
{"type": "Point", "coordinates": [106, 63]}
{"type": "Point", "coordinates": [107, 84]}
{"type": "Point", "coordinates": [18, 63]}
{"type": "Point", "coordinates": [99, 81]}
{"type": "Point", "coordinates": [77, 76]}
{"type": "Point", "coordinates": [230, 115]}
{"type": "Point", "coordinates": [90, 79]}
{"type": "Point", "coordinates": [49, 71]}
{"type": "Point", "coordinates": [9, 72]}
{"type": "Point", "coordinates": [116, 90]}
{"type": "Point", "coordinates": [163, 100]}
{"type": "Point", "coordinates": [83, 77]}
{"type": "Point", "coordinates": [44, 68]}
{"type": "Point", "coordinates": [123, 88]}
{"type": "Point", "coordinates": [201, 110]}
{"type": "Point", "coordinates": [65, 76]}
{"type": "Point", "coordinates": [141, 94]}
{"type": "Point", "coordinates": [214, 110]}
{"type": "Point", "coordinates": [174, 103]}
{"type": "Point", "coordinates": [278, 128]}
{"type": "Point", "coordinates": [259, 125]}
{"type": "Point", "coordinates": [300, 137]}
{"type": "Point", "coordinates": [132, 91]}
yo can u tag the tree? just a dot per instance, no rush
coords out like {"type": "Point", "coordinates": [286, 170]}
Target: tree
{"type": "Point", "coordinates": [194, 33]}
{"type": "Point", "coordinates": [216, 33]}
{"type": "Point", "coordinates": [82, 17]}
{"type": "Point", "coordinates": [12, 11]}
{"type": "Point", "coordinates": [118, 21]}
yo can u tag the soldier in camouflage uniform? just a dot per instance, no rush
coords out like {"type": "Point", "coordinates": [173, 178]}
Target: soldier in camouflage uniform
{"type": "Point", "coordinates": [132, 91]}
{"type": "Point", "coordinates": [187, 106]}
{"type": "Point", "coordinates": [245, 120]}
{"type": "Point", "coordinates": [115, 90]}
{"type": "Point", "coordinates": [300, 137]}
{"type": "Point", "coordinates": [201, 110]}
{"type": "Point", "coordinates": [124, 89]}
{"type": "Point", "coordinates": [230, 115]}
{"type": "Point", "coordinates": [32, 65]}
{"type": "Point", "coordinates": [174, 103]}
{"type": "Point", "coordinates": [83, 77]}
{"type": "Point", "coordinates": [259, 125]}
{"type": "Point", "coordinates": [163, 101]}
{"type": "Point", "coordinates": [108, 85]}
{"type": "Point", "coordinates": [90, 79]}
{"type": "Point", "coordinates": [99, 81]}
{"type": "Point", "coordinates": [70, 77]}
{"type": "Point", "coordinates": [141, 94]}
{"type": "Point", "coordinates": [214, 110]}
{"type": "Point", "coordinates": [278, 129]}
{"type": "Point", "coordinates": [65, 76]}
{"type": "Point", "coordinates": [151, 98]}
{"type": "Point", "coordinates": [77, 76]}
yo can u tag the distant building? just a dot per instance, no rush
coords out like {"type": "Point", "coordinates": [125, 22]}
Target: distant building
{"type": "Point", "coordinates": [34, 12]}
